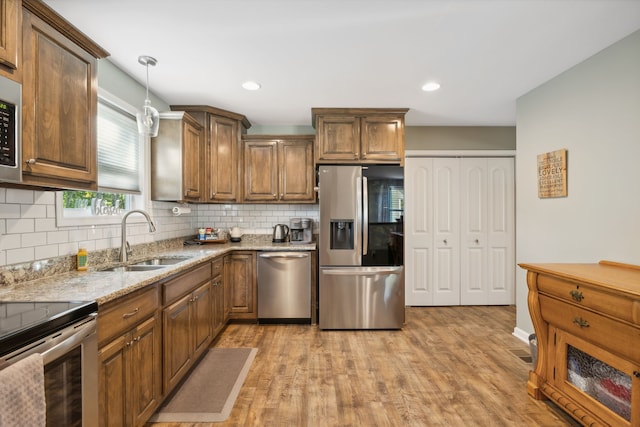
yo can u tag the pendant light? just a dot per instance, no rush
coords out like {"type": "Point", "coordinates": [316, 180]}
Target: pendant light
{"type": "Point", "coordinates": [149, 119]}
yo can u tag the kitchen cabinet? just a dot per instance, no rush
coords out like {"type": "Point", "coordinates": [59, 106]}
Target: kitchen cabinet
{"type": "Point", "coordinates": [585, 317]}
{"type": "Point", "coordinates": [279, 169]}
{"type": "Point", "coordinates": [59, 101]}
{"type": "Point", "coordinates": [130, 358]}
{"type": "Point", "coordinates": [218, 315]}
{"type": "Point", "coordinates": [187, 322]}
{"type": "Point", "coordinates": [222, 164]}
{"type": "Point", "coordinates": [177, 159]}
{"type": "Point", "coordinates": [240, 282]}
{"type": "Point", "coordinates": [10, 35]}
{"type": "Point", "coordinates": [459, 233]}
{"type": "Point", "coordinates": [360, 135]}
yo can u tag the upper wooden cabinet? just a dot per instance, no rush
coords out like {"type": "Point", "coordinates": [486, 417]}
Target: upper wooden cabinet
{"type": "Point", "coordinates": [359, 135]}
{"type": "Point", "coordinates": [223, 130]}
{"type": "Point", "coordinates": [59, 101]}
{"type": "Point", "coordinates": [177, 159]}
{"type": "Point", "coordinates": [10, 19]}
{"type": "Point", "coordinates": [279, 168]}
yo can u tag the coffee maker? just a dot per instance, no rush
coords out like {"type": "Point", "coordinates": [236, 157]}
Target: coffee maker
{"type": "Point", "coordinates": [300, 230]}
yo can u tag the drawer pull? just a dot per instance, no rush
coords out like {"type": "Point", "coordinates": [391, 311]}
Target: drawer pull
{"type": "Point", "coordinates": [581, 322]}
{"type": "Point", "coordinates": [576, 295]}
{"type": "Point", "coordinates": [636, 374]}
{"type": "Point", "coordinates": [133, 313]}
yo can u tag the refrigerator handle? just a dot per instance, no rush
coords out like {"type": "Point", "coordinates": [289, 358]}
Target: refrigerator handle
{"type": "Point", "coordinates": [365, 216]}
{"type": "Point", "coordinates": [358, 222]}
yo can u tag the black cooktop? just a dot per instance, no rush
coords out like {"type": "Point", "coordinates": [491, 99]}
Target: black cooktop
{"type": "Point", "coordinates": [22, 323]}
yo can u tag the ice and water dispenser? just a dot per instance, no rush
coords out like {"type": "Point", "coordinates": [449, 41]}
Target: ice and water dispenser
{"type": "Point", "coordinates": [342, 235]}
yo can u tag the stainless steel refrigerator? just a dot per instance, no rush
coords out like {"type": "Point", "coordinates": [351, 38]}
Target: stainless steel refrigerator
{"type": "Point", "coordinates": [361, 283]}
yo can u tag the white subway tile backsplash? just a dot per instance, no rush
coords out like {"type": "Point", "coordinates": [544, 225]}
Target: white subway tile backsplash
{"type": "Point", "coordinates": [45, 224]}
{"type": "Point", "coordinates": [57, 237]}
{"type": "Point", "coordinates": [44, 197]}
{"type": "Point", "coordinates": [33, 211]}
{"type": "Point", "coordinates": [33, 239]}
{"type": "Point", "coordinates": [10, 241]}
{"type": "Point", "coordinates": [17, 256]}
{"type": "Point", "coordinates": [19, 196]}
{"type": "Point", "coordinates": [9, 211]}
{"type": "Point", "coordinates": [46, 251]}
{"type": "Point", "coordinates": [20, 226]}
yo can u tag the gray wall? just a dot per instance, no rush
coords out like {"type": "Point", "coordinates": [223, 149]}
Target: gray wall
{"type": "Point", "coordinates": [592, 110]}
{"type": "Point", "coordinates": [460, 138]}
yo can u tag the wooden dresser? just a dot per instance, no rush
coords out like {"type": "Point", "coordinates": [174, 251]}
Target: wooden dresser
{"type": "Point", "coordinates": [587, 322]}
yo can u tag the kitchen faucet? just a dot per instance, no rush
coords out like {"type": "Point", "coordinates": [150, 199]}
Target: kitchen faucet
{"type": "Point", "coordinates": [124, 247]}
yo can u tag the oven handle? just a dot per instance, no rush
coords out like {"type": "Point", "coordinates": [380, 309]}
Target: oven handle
{"type": "Point", "coordinates": [80, 334]}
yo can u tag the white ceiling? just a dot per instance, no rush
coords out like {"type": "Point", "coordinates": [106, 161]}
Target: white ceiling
{"type": "Point", "coordinates": [352, 53]}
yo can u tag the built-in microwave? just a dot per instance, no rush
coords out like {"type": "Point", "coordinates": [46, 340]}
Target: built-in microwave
{"type": "Point", "coordinates": [10, 130]}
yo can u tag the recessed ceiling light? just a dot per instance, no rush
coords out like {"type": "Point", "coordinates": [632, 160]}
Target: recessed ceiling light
{"type": "Point", "coordinates": [250, 85]}
{"type": "Point", "coordinates": [430, 87]}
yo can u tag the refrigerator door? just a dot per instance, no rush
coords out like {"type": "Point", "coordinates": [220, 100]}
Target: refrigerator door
{"type": "Point", "coordinates": [361, 298]}
{"type": "Point", "coordinates": [340, 215]}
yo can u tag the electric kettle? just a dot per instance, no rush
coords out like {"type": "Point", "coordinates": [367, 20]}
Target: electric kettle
{"type": "Point", "coordinates": [280, 233]}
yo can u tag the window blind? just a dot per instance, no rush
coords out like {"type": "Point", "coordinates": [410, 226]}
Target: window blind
{"type": "Point", "coordinates": [118, 149]}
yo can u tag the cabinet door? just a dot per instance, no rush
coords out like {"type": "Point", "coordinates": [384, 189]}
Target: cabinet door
{"type": "Point", "coordinates": [145, 370]}
{"type": "Point", "coordinates": [382, 138]}
{"type": "Point", "coordinates": [178, 341]}
{"type": "Point", "coordinates": [59, 109]}
{"type": "Point", "coordinates": [217, 305]}
{"type": "Point", "coordinates": [223, 160]}
{"type": "Point", "coordinates": [192, 161]}
{"type": "Point", "coordinates": [202, 319]}
{"type": "Point", "coordinates": [337, 138]}
{"type": "Point", "coordinates": [260, 170]}
{"type": "Point", "coordinates": [601, 382]}
{"type": "Point", "coordinates": [240, 272]}
{"type": "Point", "coordinates": [296, 171]}
{"type": "Point", "coordinates": [113, 383]}
{"type": "Point", "coordinates": [9, 32]}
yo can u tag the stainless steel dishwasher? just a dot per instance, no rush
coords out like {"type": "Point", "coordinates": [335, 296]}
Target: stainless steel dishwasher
{"type": "Point", "coordinates": [284, 287]}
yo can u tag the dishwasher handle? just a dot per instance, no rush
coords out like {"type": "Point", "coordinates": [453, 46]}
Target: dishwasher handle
{"type": "Point", "coordinates": [283, 255]}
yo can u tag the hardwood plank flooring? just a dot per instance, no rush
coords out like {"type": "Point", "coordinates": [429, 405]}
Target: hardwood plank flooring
{"type": "Point", "coordinates": [449, 366]}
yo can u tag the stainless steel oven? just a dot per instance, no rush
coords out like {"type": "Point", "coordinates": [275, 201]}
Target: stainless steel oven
{"type": "Point", "coordinates": [64, 333]}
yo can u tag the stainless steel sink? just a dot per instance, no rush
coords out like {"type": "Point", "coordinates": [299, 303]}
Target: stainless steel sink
{"type": "Point", "coordinates": [160, 261]}
{"type": "Point", "coordinates": [135, 268]}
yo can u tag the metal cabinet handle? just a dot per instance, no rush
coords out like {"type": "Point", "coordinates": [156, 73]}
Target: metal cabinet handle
{"type": "Point", "coordinates": [133, 313]}
{"type": "Point", "coordinates": [576, 295]}
{"type": "Point", "coordinates": [581, 322]}
{"type": "Point", "coordinates": [444, 241]}
{"type": "Point", "coordinates": [30, 161]}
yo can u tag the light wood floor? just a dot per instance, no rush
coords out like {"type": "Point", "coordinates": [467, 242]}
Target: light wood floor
{"type": "Point", "coordinates": [449, 366]}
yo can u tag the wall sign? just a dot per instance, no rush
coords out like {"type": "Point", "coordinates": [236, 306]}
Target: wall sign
{"type": "Point", "coordinates": [552, 174]}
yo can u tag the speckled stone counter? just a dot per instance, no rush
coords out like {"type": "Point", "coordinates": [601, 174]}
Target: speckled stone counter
{"type": "Point", "coordinates": [105, 286]}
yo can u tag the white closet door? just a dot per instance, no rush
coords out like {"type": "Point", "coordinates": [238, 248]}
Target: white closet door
{"type": "Point", "coordinates": [487, 218]}
{"type": "Point", "coordinates": [446, 232]}
{"type": "Point", "coordinates": [473, 227]}
{"type": "Point", "coordinates": [418, 231]}
{"type": "Point", "coordinates": [501, 231]}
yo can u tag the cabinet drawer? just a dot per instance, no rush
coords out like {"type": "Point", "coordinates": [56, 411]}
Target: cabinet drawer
{"type": "Point", "coordinates": [602, 331]}
{"type": "Point", "coordinates": [186, 282]}
{"type": "Point", "coordinates": [598, 300]}
{"type": "Point", "coordinates": [216, 267]}
{"type": "Point", "coordinates": [126, 312]}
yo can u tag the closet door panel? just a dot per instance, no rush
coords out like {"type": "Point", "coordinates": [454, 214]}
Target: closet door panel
{"type": "Point", "coordinates": [446, 263]}
{"type": "Point", "coordinates": [418, 233]}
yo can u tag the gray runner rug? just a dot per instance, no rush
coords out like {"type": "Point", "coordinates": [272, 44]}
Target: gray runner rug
{"type": "Point", "coordinates": [211, 389]}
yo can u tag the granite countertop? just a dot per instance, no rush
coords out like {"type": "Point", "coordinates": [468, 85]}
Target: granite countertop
{"type": "Point", "coordinates": [105, 286]}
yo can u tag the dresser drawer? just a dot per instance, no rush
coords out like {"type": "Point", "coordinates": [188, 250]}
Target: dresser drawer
{"type": "Point", "coordinates": [186, 282]}
{"type": "Point", "coordinates": [216, 267]}
{"type": "Point", "coordinates": [599, 300]}
{"type": "Point", "coordinates": [126, 312]}
{"type": "Point", "coordinates": [600, 330]}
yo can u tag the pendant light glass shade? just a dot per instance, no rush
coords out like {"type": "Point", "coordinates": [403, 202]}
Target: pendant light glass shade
{"type": "Point", "coordinates": [149, 118]}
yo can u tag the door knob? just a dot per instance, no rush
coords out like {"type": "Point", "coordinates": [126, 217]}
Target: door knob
{"type": "Point", "coordinates": [445, 241]}
{"type": "Point", "coordinates": [477, 242]}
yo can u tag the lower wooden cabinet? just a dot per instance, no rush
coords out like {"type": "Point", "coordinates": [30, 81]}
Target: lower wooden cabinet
{"type": "Point", "coordinates": [240, 283]}
{"type": "Point", "coordinates": [130, 372]}
{"type": "Point", "coordinates": [187, 332]}
{"type": "Point", "coordinates": [219, 316]}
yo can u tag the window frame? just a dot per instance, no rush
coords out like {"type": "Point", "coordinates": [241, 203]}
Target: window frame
{"type": "Point", "coordinates": [71, 217]}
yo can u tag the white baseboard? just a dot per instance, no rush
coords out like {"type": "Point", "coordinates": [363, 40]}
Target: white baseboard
{"type": "Point", "coordinates": [521, 334]}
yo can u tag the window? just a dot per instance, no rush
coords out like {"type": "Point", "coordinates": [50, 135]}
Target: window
{"type": "Point", "coordinates": [120, 170]}
{"type": "Point", "coordinates": [396, 202]}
